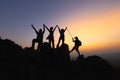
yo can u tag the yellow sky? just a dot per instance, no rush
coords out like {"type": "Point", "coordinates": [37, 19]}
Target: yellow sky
{"type": "Point", "coordinates": [96, 23]}
{"type": "Point", "coordinates": [95, 29]}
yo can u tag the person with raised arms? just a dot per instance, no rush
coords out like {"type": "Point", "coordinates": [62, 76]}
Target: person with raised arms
{"type": "Point", "coordinates": [51, 35]}
{"type": "Point", "coordinates": [39, 38]}
{"type": "Point", "coordinates": [62, 36]}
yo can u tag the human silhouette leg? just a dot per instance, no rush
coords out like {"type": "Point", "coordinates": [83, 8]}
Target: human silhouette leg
{"type": "Point", "coordinates": [58, 43]}
{"type": "Point", "coordinates": [72, 49]}
{"type": "Point", "coordinates": [33, 43]}
{"type": "Point", "coordinates": [63, 41]}
{"type": "Point", "coordinates": [53, 45]}
{"type": "Point", "coordinates": [39, 46]}
{"type": "Point", "coordinates": [77, 51]}
{"type": "Point", "coordinates": [50, 42]}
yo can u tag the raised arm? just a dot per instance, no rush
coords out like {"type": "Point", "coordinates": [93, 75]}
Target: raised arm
{"type": "Point", "coordinates": [65, 28]}
{"type": "Point", "coordinates": [58, 28]}
{"type": "Point", "coordinates": [43, 29]}
{"type": "Point", "coordinates": [46, 27]}
{"type": "Point", "coordinates": [73, 40]}
{"type": "Point", "coordinates": [54, 28]}
{"type": "Point", "coordinates": [34, 29]}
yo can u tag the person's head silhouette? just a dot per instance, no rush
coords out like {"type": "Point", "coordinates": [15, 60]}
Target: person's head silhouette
{"type": "Point", "coordinates": [62, 30]}
{"type": "Point", "coordinates": [51, 28]}
{"type": "Point", "coordinates": [76, 38]}
{"type": "Point", "coordinates": [40, 30]}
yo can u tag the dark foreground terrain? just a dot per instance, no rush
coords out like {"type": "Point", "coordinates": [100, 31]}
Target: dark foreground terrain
{"type": "Point", "coordinates": [51, 64]}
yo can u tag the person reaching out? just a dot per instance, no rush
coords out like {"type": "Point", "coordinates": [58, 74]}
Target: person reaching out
{"type": "Point", "coordinates": [62, 36]}
{"type": "Point", "coordinates": [39, 38]}
{"type": "Point", "coordinates": [77, 44]}
{"type": "Point", "coordinates": [50, 36]}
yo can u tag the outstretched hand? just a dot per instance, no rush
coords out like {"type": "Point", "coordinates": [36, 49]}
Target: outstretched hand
{"type": "Point", "coordinates": [31, 24]}
{"type": "Point", "coordinates": [57, 26]}
{"type": "Point", "coordinates": [44, 25]}
{"type": "Point", "coordinates": [72, 39]}
{"type": "Point", "coordinates": [66, 27]}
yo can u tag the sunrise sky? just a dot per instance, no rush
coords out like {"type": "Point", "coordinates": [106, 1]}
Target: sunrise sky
{"type": "Point", "coordinates": [95, 22]}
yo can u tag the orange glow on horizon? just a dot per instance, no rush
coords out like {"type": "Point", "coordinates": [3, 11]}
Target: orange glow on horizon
{"type": "Point", "coordinates": [94, 30]}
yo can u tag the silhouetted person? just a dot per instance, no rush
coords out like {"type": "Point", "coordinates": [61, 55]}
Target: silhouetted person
{"type": "Point", "coordinates": [50, 36]}
{"type": "Point", "coordinates": [62, 36]}
{"type": "Point", "coordinates": [77, 44]}
{"type": "Point", "coordinates": [39, 38]}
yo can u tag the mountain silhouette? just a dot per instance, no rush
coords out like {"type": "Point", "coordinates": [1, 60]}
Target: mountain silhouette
{"type": "Point", "coordinates": [29, 64]}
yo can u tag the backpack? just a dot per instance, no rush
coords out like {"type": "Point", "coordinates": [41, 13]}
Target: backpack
{"type": "Point", "coordinates": [79, 43]}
